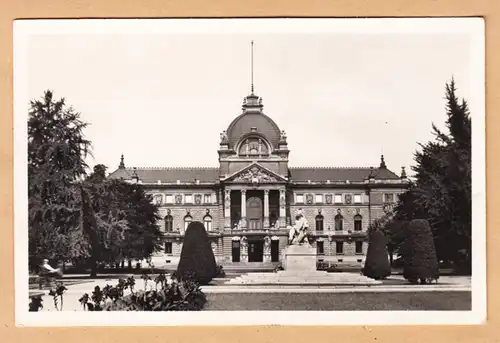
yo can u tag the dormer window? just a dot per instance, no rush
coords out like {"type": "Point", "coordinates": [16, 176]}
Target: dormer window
{"type": "Point", "coordinates": [253, 146]}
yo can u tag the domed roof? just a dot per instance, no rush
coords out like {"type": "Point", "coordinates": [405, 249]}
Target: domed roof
{"type": "Point", "coordinates": [252, 117]}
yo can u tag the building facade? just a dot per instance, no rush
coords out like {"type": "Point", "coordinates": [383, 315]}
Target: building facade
{"type": "Point", "coordinates": [249, 200]}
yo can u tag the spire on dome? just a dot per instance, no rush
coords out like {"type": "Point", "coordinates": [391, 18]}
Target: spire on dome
{"type": "Point", "coordinates": [252, 102]}
{"type": "Point", "coordinates": [122, 164]}
{"type": "Point", "coordinates": [252, 88]}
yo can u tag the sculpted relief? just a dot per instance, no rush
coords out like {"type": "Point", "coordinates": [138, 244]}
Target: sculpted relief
{"type": "Point", "coordinates": [254, 175]}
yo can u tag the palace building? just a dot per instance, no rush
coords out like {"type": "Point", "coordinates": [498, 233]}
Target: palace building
{"type": "Point", "coordinates": [249, 199]}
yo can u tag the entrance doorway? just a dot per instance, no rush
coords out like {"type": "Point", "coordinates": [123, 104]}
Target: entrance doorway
{"type": "Point", "coordinates": [255, 251]}
{"type": "Point", "coordinates": [254, 213]}
{"type": "Point", "coordinates": [235, 250]}
{"type": "Point", "coordinates": [275, 251]}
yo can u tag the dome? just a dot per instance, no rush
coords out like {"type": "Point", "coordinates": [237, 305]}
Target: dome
{"type": "Point", "coordinates": [252, 117]}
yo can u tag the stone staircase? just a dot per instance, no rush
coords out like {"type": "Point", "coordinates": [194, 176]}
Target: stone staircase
{"type": "Point", "coordinates": [247, 267]}
{"type": "Point", "coordinates": [311, 278]}
{"type": "Point", "coordinates": [300, 270]}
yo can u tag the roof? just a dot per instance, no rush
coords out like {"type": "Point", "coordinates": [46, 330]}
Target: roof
{"type": "Point", "coordinates": [253, 117]}
{"type": "Point", "coordinates": [166, 175]}
{"type": "Point", "coordinates": [338, 174]}
{"type": "Point", "coordinates": [211, 174]}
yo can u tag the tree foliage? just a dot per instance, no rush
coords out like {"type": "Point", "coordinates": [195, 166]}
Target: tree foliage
{"type": "Point", "coordinates": [441, 191]}
{"type": "Point", "coordinates": [197, 258]}
{"type": "Point", "coordinates": [419, 254]}
{"type": "Point", "coordinates": [377, 258]}
{"type": "Point", "coordinates": [73, 216]}
{"type": "Point", "coordinates": [123, 220]}
{"type": "Point", "coordinates": [56, 161]}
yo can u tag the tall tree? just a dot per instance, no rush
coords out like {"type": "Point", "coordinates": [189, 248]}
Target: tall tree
{"type": "Point", "coordinates": [72, 216]}
{"type": "Point", "coordinates": [56, 160]}
{"type": "Point", "coordinates": [441, 192]}
{"type": "Point", "coordinates": [126, 220]}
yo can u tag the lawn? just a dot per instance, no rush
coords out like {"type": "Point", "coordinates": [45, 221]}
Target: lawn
{"type": "Point", "coordinates": [383, 301]}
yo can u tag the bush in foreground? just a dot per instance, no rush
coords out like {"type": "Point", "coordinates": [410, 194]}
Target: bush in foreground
{"type": "Point", "coordinates": [197, 259]}
{"type": "Point", "coordinates": [176, 295]}
{"type": "Point", "coordinates": [419, 253]}
{"type": "Point", "coordinates": [377, 264]}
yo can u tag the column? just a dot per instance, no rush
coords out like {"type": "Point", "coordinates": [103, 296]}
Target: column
{"type": "Point", "coordinates": [244, 208]}
{"type": "Point", "coordinates": [227, 208]}
{"type": "Point", "coordinates": [282, 219]}
{"type": "Point", "coordinates": [266, 208]}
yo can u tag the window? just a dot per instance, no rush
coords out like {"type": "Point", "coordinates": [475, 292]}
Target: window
{"type": "Point", "coordinates": [338, 198]}
{"type": "Point", "coordinates": [339, 223]}
{"type": "Point", "coordinates": [339, 248]}
{"type": "Point", "coordinates": [189, 199]}
{"type": "Point", "coordinates": [187, 220]}
{"type": "Point", "coordinates": [359, 247]}
{"type": "Point", "coordinates": [388, 197]}
{"type": "Point", "coordinates": [207, 220]}
{"type": "Point", "coordinates": [169, 199]}
{"type": "Point", "coordinates": [320, 248]}
{"type": "Point", "coordinates": [358, 223]}
{"type": "Point", "coordinates": [169, 223]}
{"type": "Point", "coordinates": [158, 198]}
{"type": "Point", "coordinates": [168, 247]}
{"type": "Point", "coordinates": [357, 198]}
{"type": "Point", "coordinates": [300, 198]}
{"type": "Point", "coordinates": [207, 199]}
{"type": "Point", "coordinates": [319, 222]}
{"type": "Point", "coordinates": [319, 198]}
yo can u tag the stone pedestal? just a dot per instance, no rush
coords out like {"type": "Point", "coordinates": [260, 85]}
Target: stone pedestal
{"type": "Point", "coordinates": [299, 262]}
{"type": "Point", "coordinates": [299, 258]}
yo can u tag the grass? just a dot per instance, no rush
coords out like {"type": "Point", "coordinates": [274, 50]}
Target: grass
{"type": "Point", "coordinates": [387, 301]}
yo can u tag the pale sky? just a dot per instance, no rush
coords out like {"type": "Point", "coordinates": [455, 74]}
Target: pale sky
{"type": "Point", "coordinates": [162, 99]}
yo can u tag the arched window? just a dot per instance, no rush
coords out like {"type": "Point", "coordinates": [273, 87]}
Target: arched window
{"type": "Point", "coordinates": [339, 222]}
{"type": "Point", "coordinates": [169, 223]}
{"type": "Point", "coordinates": [207, 220]}
{"type": "Point", "coordinates": [187, 220]}
{"type": "Point", "coordinates": [319, 222]}
{"type": "Point", "coordinates": [358, 223]}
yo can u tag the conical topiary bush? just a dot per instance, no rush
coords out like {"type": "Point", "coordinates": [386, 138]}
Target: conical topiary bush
{"type": "Point", "coordinates": [197, 259]}
{"type": "Point", "coordinates": [377, 264]}
{"type": "Point", "coordinates": [419, 253]}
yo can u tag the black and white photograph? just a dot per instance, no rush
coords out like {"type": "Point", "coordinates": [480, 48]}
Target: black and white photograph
{"type": "Point", "coordinates": [243, 171]}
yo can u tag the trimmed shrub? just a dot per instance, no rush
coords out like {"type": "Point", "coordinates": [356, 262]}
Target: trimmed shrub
{"type": "Point", "coordinates": [377, 264]}
{"type": "Point", "coordinates": [197, 259]}
{"type": "Point", "coordinates": [419, 253]}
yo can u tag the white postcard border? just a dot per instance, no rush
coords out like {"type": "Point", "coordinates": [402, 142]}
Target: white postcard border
{"type": "Point", "coordinates": [25, 28]}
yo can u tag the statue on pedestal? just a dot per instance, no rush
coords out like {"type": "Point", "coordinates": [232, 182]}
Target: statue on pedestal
{"type": "Point", "coordinates": [298, 232]}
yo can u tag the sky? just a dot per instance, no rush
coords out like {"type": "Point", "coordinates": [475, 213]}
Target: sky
{"type": "Point", "coordinates": [163, 98]}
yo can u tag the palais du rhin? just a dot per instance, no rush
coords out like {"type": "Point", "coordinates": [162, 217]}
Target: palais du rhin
{"type": "Point", "coordinates": [247, 202]}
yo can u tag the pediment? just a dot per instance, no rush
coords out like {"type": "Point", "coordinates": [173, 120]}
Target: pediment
{"type": "Point", "coordinates": [255, 174]}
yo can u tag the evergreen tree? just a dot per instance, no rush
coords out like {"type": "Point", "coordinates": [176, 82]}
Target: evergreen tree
{"type": "Point", "coordinates": [419, 254]}
{"type": "Point", "coordinates": [197, 258]}
{"type": "Point", "coordinates": [56, 161]}
{"type": "Point", "coordinates": [377, 259]}
{"type": "Point", "coordinates": [441, 191]}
